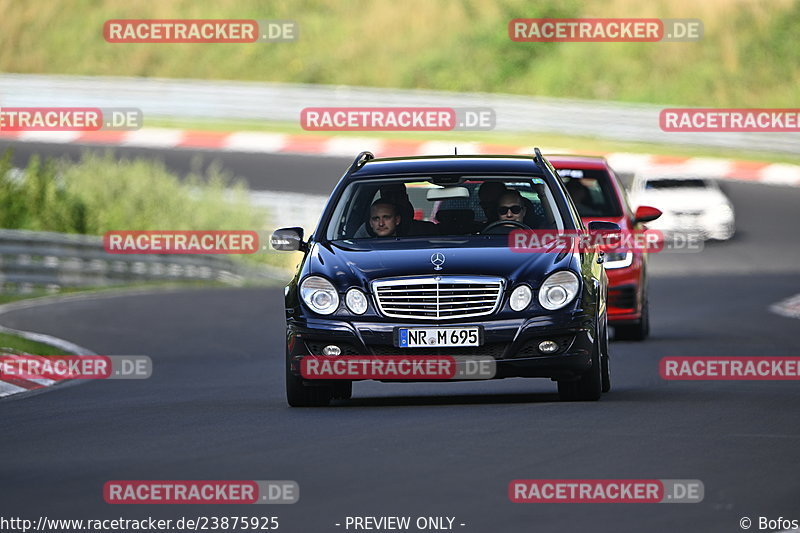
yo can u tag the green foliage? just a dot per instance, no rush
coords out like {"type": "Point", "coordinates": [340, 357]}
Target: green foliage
{"type": "Point", "coordinates": [100, 193]}
{"type": "Point", "coordinates": [748, 56]}
{"type": "Point", "coordinates": [37, 199]}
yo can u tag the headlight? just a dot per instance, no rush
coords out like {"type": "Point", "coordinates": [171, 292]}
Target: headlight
{"type": "Point", "coordinates": [558, 290]}
{"type": "Point", "coordinates": [319, 295]}
{"type": "Point", "coordinates": [356, 301]}
{"type": "Point", "coordinates": [618, 260]}
{"type": "Point", "coordinates": [520, 298]}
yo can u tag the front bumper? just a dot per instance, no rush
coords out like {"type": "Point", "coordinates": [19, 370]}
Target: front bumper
{"type": "Point", "coordinates": [511, 342]}
{"type": "Point", "coordinates": [625, 293]}
{"type": "Point", "coordinates": [707, 227]}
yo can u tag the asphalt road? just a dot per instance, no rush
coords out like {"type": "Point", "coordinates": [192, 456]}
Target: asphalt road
{"type": "Point", "coordinates": [215, 409]}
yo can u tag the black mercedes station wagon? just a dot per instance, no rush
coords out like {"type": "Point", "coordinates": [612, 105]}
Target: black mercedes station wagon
{"type": "Point", "coordinates": [407, 248]}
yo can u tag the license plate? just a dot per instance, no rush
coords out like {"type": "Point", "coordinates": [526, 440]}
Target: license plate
{"type": "Point", "coordinates": [438, 337]}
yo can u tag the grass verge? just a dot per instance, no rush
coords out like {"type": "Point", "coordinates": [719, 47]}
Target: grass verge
{"type": "Point", "coordinates": [18, 345]}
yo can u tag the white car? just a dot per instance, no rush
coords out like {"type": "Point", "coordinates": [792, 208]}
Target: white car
{"type": "Point", "coordinates": [690, 204]}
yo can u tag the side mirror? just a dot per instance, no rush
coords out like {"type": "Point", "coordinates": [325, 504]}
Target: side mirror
{"type": "Point", "coordinates": [645, 213]}
{"type": "Point", "coordinates": [608, 230]}
{"type": "Point", "coordinates": [608, 227]}
{"type": "Point", "coordinates": [288, 240]}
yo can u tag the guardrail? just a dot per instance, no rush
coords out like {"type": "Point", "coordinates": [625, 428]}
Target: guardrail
{"type": "Point", "coordinates": [42, 260]}
{"type": "Point", "coordinates": [197, 99]}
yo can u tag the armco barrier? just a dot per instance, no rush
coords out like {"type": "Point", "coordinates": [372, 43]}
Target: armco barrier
{"type": "Point", "coordinates": [52, 261]}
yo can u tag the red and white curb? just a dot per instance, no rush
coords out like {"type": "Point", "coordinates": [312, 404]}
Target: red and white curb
{"type": "Point", "coordinates": [333, 146]}
{"type": "Point", "coordinates": [10, 386]}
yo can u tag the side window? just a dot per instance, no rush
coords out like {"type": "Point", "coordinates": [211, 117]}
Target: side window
{"type": "Point", "coordinates": [354, 206]}
{"type": "Point", "coordinates": [576, 217]}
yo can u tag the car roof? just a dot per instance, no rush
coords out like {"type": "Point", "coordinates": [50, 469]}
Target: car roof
{"type": "Point", "coordinates": [455, 164]}
{"type": "Point", "coordinates": [578, 162]}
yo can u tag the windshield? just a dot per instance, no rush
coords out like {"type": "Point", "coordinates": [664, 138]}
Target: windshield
{"type": "Point", "coordinates": [673, 183]}
{"type": "Point", "coordinates": [591, 192]}
{"type": "Point", "coordinates": [418, 207]}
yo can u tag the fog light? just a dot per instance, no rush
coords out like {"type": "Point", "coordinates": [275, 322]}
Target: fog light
{"type": "Point", "coordinates": [548, 347]}
{"type": "Point", "coordinates": [331, 349]}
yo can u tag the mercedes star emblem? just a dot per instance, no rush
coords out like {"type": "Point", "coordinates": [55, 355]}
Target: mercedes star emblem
{"type": "Point", "coordinates": [438, 260]}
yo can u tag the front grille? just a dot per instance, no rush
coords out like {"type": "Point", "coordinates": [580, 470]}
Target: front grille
{"type": "Point", "coordinates": [438, 297]}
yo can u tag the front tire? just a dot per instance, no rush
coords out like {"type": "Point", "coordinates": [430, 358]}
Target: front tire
{"type": "Point", "coordinates": [604, 358]}
{"type": "Point", "coordinates": [300, 395]}
{"type": "Point", "coordinates": [343, 390]}
{"type": "Point", "coordinates": [589, 387]}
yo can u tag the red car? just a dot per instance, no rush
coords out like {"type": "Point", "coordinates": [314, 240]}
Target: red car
{"type": "Point", "coordinates": [599, 195]}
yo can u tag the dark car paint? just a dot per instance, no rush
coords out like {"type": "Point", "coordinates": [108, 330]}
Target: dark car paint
{"type": "Point", "coordinates": [356, 263]}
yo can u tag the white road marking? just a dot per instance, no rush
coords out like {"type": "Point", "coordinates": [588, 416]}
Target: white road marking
{"type": "Point", "coordinates": [781, 174]}
{"type": "Point", "coordinates": [708, 166]}
{"type": "Point", "coordinates": [625, 162]}
{"type": "Point", "coordinates": [49, 136]}
{"type": "Point", "coordinates": [350, 146]}
{"type": "Point", "coordinates": [789, 308]}
{"type": "Point", "coordinates": [154, 138]}
{"type": "Point", "coordinates": [251, 141]}
{"type": "Point", "coordinates": [447, 148]}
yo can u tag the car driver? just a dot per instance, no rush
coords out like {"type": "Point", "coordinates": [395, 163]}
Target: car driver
{"type": "Point", "coordinates": [510, 207]}
{"type": "Point", "coordinates": [384, 218]}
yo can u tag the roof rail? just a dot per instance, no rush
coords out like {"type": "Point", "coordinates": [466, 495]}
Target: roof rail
{"type": "Point", "coordinates": [360, 160]}
{"type": "Point", "coordinates": [544, 164]}
{"type": "Point", "coordinates": [537, 156]}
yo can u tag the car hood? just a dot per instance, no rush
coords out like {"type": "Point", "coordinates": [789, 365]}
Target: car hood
{"type": "Point", "coordinates": [357, 263]}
